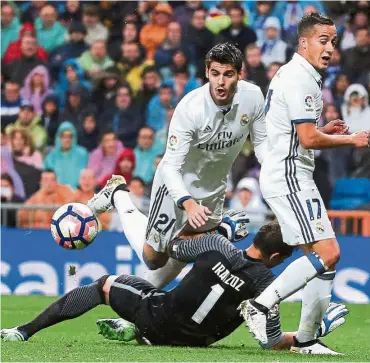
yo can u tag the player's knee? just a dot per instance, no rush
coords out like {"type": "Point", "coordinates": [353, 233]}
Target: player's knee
{"type": "Point", "coordinates": [329, 251]}
{"type": "Point", "coordinates": [104, 284]}
{"type": "Point", "coordinates": [153, 259]}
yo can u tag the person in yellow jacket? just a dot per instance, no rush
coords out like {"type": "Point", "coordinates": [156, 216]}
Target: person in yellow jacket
{"type": "Point", "coordinates": [30, 121]}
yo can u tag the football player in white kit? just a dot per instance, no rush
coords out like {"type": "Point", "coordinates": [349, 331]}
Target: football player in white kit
{"type": "Point", "coordinates": [207, 132]}
{"type": "Point", "coordinates": [293, 107]}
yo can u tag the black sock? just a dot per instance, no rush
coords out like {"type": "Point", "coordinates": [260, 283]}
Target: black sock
{"type": "Point", "coordinates": [73, 304]}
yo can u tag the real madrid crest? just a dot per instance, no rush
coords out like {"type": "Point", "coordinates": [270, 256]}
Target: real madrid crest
{"type": "Point", "coordinates": [244, 119]}
{"type": "Point", "coordinates": [320, 227]}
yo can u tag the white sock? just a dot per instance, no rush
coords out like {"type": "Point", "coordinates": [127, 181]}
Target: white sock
{"type": "Point", "coordinates": [293, 278]}
{"type": "Point", "coordinates": [163, 276]}
{"type": "Point", "coordinates": [134, 222]}
{"type": "Point", "coordinates": [315, 300]}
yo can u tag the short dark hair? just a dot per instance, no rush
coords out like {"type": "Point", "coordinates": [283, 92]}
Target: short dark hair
{"type": "Point", "coordinates": [360, 29]}
{"type": "Point", "coordinates": [91, 10]}
{"type": "Point", "coordinates": [107, 131]}
{"type": "Point", "coordinates": [137, 178]}
{"type": "Point", "coordinates": [49, 171]}
{"type": "Point", "coordinates": [149, 69]}
{"type": "Point", "coordinates": [165, 86]}
{"type": "Point", "coordinates": [269, 240]}
{"type": "Point", "coordinates": [225, 53]}
{"type": "Point", "coordinates": [8, 178]}
{"type": "Point", "coordinates": [237, 7]}
{"type": "Point", "coordinates": [310, 20]}
{"type": "Point", "coordinates": [181, 70]}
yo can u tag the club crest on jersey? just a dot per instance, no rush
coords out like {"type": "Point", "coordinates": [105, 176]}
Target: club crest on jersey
{"type": "Point", "coordinates": [244, 119]}
{"type": "Point", "coordinates": [172, 142]}
{"type": "Point", "coordinates": [320, 227]}
{"type": "Point", "coordinates": [308, 103]}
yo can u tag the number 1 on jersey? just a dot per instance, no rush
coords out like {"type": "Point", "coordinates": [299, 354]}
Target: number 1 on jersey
{"type": "Point", "coordinates": [208, 303]}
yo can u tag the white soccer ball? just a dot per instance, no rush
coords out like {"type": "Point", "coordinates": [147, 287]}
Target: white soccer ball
{"type": "Point", "coordinates": [74, 226]}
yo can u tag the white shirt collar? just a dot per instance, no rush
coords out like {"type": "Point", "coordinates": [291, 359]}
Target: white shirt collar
{"type": "Point", "coordinates": [308, 66]}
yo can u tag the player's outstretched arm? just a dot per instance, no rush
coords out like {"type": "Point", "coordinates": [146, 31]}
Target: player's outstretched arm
{"type": "Point", "coordinates": [311, 138]}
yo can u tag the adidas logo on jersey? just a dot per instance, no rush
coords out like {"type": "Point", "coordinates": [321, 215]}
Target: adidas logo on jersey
{"type": "Point", "coordinates": [207, 130]}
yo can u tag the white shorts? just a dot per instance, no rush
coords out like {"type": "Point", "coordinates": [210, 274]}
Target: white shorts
{"type": "Point", "coordinates": [166, 220]}
{"type": "Point", "coordinates": [302, 216]}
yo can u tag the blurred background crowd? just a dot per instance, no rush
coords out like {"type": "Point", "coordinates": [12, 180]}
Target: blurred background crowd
{"type": "Point", "coordinates": [89, 89]}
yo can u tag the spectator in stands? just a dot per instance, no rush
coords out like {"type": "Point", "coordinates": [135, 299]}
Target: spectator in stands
{"type": "Point", "coordinates": [154, 33]}
{"type": "Point", "coordinates": [183, 14]}
{"type": "Point", "coordinates": [237, 33]}
{"type": "Point", "coordinates": [31, 122]}
{"type": "Point", "coordinates": [356, 109]}
{"type": "Point", "coordinates": [146, 151]}
{"type": "Point", "coordinates": [335, 94]}
{"type": "Point", "coordinates": [103, 159]}
{"type": "Point", "coordinates": [333, 70]}
{"type": "Point", "coordinates": [125, 166]}
{"type": "Point", "coordinates": [10, 103]}
{"type": "Point", "coordinates": [67, 155]}
{"type": "Point", "coordinates": [131, 65]}
{"type": "Point", "coordinates": [162, 134]}
{"type": "Point", "coordinates": [18, 69]}
{"type": "Point", "coordinates": [88, 132]}
{"type": "Point", "coordinates": [8, 216]}
{"type": "Point", "coordinates": [87, 185]}
{"type": "Point", "coordinates": [71, 75]}
{"type": "Point", "coordinates": [7, 167]}
{"type": "Point", "coordinates": [50, 117]}
{"type": "Point", "coordinates": [149, 86]}
{"type": "Point", "coordinates": [95, 29]}
{"type": "Point", "coordinates": [256, 71]}
{"type": "Point", "coordinates": [14, 50]}
{"type": "Point", "coordinates": [50, 32]}
{"type": "Point", "coordinates": [137, 194]}
{"type": "Point", "coordinates": [75, 46]}
{"type": "Point", "coordinates": [357, 59]}
{"type": "Point", "coordinates": [179, 61]}
{"type": "Point", "coordinates": [72, 13]}
{"type": "Point", "coordinates": [27, 160]}
{"type": "Point", "coordinates": [76, 106]}
{"type": "Point", "coordinates": [248, 198]}
{"type": "Point", "coordinates": [95, 60]}
{"type": "Point", "coordinates": [36, 87]}
{"type": "Point", "coordinates": [129, 34]}
{"type": "Point", "coordinates": [156, 115]}
{"type": "Point", "coordinates": [126, 118]}
{"type": "Point", "coordinates": [9, 27]}
{"type": "Point", "coordinates": [347, 35]}
{"type": "Point", "coordinates": [182, 83]}
{"type": "Point", "coordinates": [273, 49]}
{"type": "Point", "coordinates": [172, 43]}
{"type": "Point", "coordinates": [258, 12]}
{"type": "Point", "coordinates": [272, 69]}
{"type": "Point", "coordinates": [148, 186]}
{"type": "Point", "coordinates": [50, 193]}
{"type": "Point", "coordinates": [32, 11]}
{"type": "Point", "coordinates": [23, 149]}
{"type": "Point", "coordinates": [202, 39]}
{"type": "Point", "coordinates": [105, 92]}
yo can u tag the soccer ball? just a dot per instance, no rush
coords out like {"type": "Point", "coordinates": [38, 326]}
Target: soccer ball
{"type": "Point", "coordinates": [74, 226]}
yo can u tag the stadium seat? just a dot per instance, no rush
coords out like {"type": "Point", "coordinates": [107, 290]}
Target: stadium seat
{"type": "Point", "coordinates": [350, 193]}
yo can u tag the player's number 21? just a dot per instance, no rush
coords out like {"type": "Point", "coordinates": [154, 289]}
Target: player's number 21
{"type": "Point", "coordinates": [208, 303]}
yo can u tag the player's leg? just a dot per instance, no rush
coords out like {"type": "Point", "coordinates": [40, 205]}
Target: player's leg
{"type": "Point", "coordinates": [71, 305]}
{"type": "Point", "coordinates": [299, 226]}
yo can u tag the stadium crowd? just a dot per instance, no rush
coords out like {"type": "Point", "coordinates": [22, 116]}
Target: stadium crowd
{"type": "Point", "coordinates": [89, 89]}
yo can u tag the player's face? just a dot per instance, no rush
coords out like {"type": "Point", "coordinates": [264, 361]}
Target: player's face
{"type": "Point", "coordinates": [319, 45]}
{"type": "Point", "coordinates": [223, 79]}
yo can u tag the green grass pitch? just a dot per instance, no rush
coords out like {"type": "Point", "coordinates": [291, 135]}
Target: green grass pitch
{"type": "Point", "coordinates": [77, 340]}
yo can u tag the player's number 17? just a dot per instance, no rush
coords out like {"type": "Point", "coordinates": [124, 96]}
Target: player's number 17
{"type": "Point", "coordinates": [310, 209]}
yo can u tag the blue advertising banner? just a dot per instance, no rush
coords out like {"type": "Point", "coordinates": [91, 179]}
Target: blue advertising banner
{"type": "Point", "coordinates": [32, 263]}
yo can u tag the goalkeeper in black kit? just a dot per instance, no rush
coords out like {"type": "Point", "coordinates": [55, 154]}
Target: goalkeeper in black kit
{"type": "Point", "coordinates": [205, 307]}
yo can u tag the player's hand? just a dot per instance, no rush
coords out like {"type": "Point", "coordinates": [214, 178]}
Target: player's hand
{"type": "Point", "coordinates": [234, 225]}
{"type": "Point", "coordinates": [333, 319]}
{"type": "Point", "coordinates": [197, 214]}
{"type": "Point", "coordinates": [361, 139]}
{"type": "Point", "coordinates": [336, 127]}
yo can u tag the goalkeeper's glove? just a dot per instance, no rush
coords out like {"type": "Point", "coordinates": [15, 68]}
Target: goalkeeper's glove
{"type": "Point", "coordinates": [234, 225]}
{"type": "Point", "coordinates": [333, 319]}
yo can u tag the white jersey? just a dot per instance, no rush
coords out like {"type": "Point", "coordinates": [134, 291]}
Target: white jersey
{"type": "Point", "coordinates": [203, 142]}
{"type": "Point", "coordinates": [294, 97]}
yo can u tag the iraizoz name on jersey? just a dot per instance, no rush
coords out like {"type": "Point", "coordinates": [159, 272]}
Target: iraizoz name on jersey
{"type": "Point", "coordinates": [227, 277]}
{"type": "Point", "coordinates": [224, 140]}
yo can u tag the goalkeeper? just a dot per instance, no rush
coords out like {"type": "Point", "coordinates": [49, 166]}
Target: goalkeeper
{"type": "Point", "coordinates": [207, 305]}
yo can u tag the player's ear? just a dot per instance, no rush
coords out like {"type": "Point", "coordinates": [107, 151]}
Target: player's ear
{"type": "Point", "coordinates": [239, 76]}
{"type": "Point", "coordinates": [303, 42]}
{"type": "Point", "coordinates": [275, 259]}
{"type": "Point", "coordinates": [207, 72]}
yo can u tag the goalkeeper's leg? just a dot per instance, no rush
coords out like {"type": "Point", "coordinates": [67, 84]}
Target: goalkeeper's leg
{"type": "Point", "coordinates": [73, 304]}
